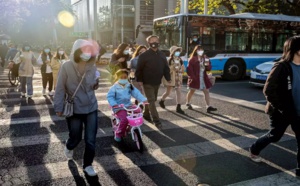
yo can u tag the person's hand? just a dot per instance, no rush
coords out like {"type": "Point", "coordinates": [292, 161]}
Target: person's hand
{"type": "Point", "coordinates": [170, 82]}
{"type": "Point", "coordinates": [122, 59]}
{"type": "Point", "coordinates": [59, 114]}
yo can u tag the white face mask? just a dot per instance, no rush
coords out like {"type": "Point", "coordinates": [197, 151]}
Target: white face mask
{"type": "Point", "coordinates": [200, 52]}
{"type": "Point", "coordinates": [85, 56]}
{"type": "Point", "coordinates": [177, 54]}
{"type": "Point", "coordinates": [125, 52]}
{"type": "Point", "coordinates": [176, 61]}
{"type": "Point", "coordinates": [61, 52]}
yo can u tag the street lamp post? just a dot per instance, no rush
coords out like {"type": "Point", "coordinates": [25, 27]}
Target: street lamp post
{"type": "Point", "coordinates": [122, 6]}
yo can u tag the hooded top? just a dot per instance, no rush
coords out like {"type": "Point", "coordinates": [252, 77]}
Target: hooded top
{"type": "Point", "coordinates": [68, 79]}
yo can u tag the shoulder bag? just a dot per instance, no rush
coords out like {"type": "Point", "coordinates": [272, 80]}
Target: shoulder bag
{"type": "Point", "coordinates": [69, 102]}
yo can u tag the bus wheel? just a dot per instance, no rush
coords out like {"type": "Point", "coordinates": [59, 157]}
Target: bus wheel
{"type": "Point", "coordinates": [234, 69]}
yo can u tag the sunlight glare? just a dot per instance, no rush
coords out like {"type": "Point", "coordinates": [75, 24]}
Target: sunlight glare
{"type": "Point", "coordinates": [66, 18]}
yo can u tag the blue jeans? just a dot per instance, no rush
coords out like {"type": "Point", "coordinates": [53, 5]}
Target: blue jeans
{"type": "Point", "coordinates": [75, 125]}
{"type": "Point", "coordinates": [26, 82]}
{"type": "Point", "coordinates": [278, 125]}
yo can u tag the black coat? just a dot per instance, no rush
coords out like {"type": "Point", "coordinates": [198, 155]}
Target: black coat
{"type": "Point", "coordinates": [151, 67]}
{"type": "Point", "coordinates": [278, 91]}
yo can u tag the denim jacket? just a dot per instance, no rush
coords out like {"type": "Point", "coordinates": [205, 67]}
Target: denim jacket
{"type": "Point", "coordinates": [118, 94]}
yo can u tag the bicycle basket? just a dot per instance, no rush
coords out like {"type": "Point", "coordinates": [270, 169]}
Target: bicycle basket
{"type": "Point", "coordinates": [135, 120]}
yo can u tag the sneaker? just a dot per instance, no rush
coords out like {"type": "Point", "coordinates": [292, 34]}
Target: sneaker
{"type": "Point", "coordinates": [90, 171]}
{"type": "Point", "coordinates": [254, 158]}
{"type": "Point", "coordinates": [23, 95]}
{"type": "Point", "coordinates": [44, 92]}
{"type": "Point", "coordinates": [162, 104]}
{"type": "Point", "coordinates": [50, 93]}
{"type": "Point", "coordinates": [189, 106]}
{"type": "Point", "coordinates": [117, 139]}
{"type": "Point", "coordinates": [29, 96]}
{"type": "Point", "coordinates": [68, 153]}
{"type": "Point", "coordinates": [210, 108]}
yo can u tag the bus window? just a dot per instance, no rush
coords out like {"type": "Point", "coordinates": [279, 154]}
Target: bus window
{"type": "Point", "coordinates": [236, 41]}
{"type": "Point", "coordinates": [261, 42]}
{"type": "Point", "coordinates": [281, 38]}
{"type": "Point", "coordinates": [208, 38]}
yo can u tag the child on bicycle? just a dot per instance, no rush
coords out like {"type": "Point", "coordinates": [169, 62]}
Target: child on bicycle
{"type": "Point", "coordinates": [121, 93]}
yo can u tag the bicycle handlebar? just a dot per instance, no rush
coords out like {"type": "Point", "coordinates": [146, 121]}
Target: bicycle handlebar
{"type": "Point", "coordinates": [130, 110]}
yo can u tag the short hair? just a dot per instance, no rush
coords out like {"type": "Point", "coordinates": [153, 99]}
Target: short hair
{"type": "Point", "coordinates": [151, 36]}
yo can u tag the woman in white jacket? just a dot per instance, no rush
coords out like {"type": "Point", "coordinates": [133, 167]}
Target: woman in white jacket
{"type": "Point", "coordinates": [25, 58]}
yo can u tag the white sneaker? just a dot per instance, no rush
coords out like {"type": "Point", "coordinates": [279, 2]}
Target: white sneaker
{"type": "Point", "coordinates": [255, 158]}
{"type": "Point", "coordinates": [50, 93]}
{"type": "Point", "coordinates": [23, 94]}
{"type": "Point", "coordinates": [44, 92]}
{"type": "Point", "coordinates": [29, 96]}
{"type": "Point", "coordinates": [90, 171]}
{"type": "Point", "coordinates": [68, 153]}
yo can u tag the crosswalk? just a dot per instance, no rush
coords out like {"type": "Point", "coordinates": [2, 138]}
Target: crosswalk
{"type": "Point", "coordinates": [193, 149]}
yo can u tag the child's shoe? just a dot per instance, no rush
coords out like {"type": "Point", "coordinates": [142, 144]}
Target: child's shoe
{"type": "Point", "coordinates": [117, 139]}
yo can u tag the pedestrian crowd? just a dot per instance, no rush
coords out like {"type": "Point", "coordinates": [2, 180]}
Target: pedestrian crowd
{"type": "Point", "coordinates": [139, 73]}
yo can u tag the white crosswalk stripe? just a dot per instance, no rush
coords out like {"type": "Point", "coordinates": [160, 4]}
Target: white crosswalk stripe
{"type": "Point", "coordinates": [156, 154]}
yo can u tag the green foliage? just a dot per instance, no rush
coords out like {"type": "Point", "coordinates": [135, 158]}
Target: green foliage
{"type": "Point", "coordinates": [226, 7]}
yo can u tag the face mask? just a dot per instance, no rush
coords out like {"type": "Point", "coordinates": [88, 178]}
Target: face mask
{"type": "Point", "coordinates": [195, 39]}
{"type": "Point", "coordinates": [177, 54]}
{"type": "Point", "coordinates": [47, 50]}
{"type": "Point", "coordinates": [125, 52]}
{"type": "Point", "coordinates": [85, 56]}
{"type": "Point", "coordinates": [200, 52]}
{"type": "Point", "coordinates": [123, 81]}
{"type": "Point", "coordinates": [153, 45]}
{"type": "Point", "coordinates": [176, 61]}
{"type": "Point", "coordinates": [27, 48]}
{"type": "Point", "coordinates": [61, 52]}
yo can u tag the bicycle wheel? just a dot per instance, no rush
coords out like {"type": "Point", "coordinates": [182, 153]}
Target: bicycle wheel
{"type": "Point", "coordinates": [12, 79]}
{"type": "Point", "coordinates": [138, 140]}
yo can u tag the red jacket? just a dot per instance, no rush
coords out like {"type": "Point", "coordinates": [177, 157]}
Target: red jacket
{"type": "Point", "coordinates": [193, 71]}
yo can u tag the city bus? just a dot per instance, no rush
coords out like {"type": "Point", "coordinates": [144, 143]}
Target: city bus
{"type": "Point", "coordinates": [235, 44]}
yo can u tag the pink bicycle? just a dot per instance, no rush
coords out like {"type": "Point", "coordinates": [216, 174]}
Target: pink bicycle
{"type": "Point", "coordinates": [135, 121]}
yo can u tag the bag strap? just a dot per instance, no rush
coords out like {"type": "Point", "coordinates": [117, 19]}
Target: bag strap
{"type": "Point", "coordinates": [78, 87]}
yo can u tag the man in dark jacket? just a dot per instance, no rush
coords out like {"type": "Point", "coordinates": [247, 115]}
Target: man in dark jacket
{"type": "Point", "coordinates": [151, 67]}
{"type": "Point", "coordinates": [282, 91]}
{"type": "Point", "coordinates": [11, 53]}
{"type": "Point", "coordinates": [3, 52]}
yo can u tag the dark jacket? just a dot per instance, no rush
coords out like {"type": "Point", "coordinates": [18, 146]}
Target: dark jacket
{"type": "Point", "coordinates": [151, 67]}
{"type": "Point", "coordinates": [193, 71]}
{"type": "Point", "coordinates": [278, 91]}
{"type": "Point", "coordinates": [44, 59]}
{"type": "Point", "coordinates": [11, 54]}
{"type": "Point", "coordinates": [115, 65]}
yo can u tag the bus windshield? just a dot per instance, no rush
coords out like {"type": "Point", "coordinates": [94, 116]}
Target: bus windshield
{"type": "Point", "coordinates": [170, 32]}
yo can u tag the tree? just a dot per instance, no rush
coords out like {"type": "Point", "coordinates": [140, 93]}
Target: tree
{"type": "Point", "coordinates": [31, 20]}
{"type": "Point", "coordinates": [225, 7]}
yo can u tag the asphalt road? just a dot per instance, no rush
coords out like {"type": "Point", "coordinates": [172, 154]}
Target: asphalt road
{"type": "Point", "coordinates": [192, 149]}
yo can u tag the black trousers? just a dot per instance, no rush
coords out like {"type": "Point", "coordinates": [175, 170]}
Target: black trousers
{"type": "Point", "coordinates": [47, 78]}
{"type": "Point", "coordinates": [278, 125]}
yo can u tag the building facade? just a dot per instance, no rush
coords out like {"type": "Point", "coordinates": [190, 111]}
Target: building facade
{"type": "Point", "coordinates": [102, 19]}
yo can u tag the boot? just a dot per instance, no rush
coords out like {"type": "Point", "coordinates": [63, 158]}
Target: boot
{"type": "Point", "coordinates": [162, 104]}
{"type": "Point", "coordinates": [179, 110]}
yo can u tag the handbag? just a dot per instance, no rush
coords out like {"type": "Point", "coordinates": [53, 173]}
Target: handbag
{"type": "Point", "coordinates": [212, 79]}
{"type": "Point", "coordinates": [69, 101]}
